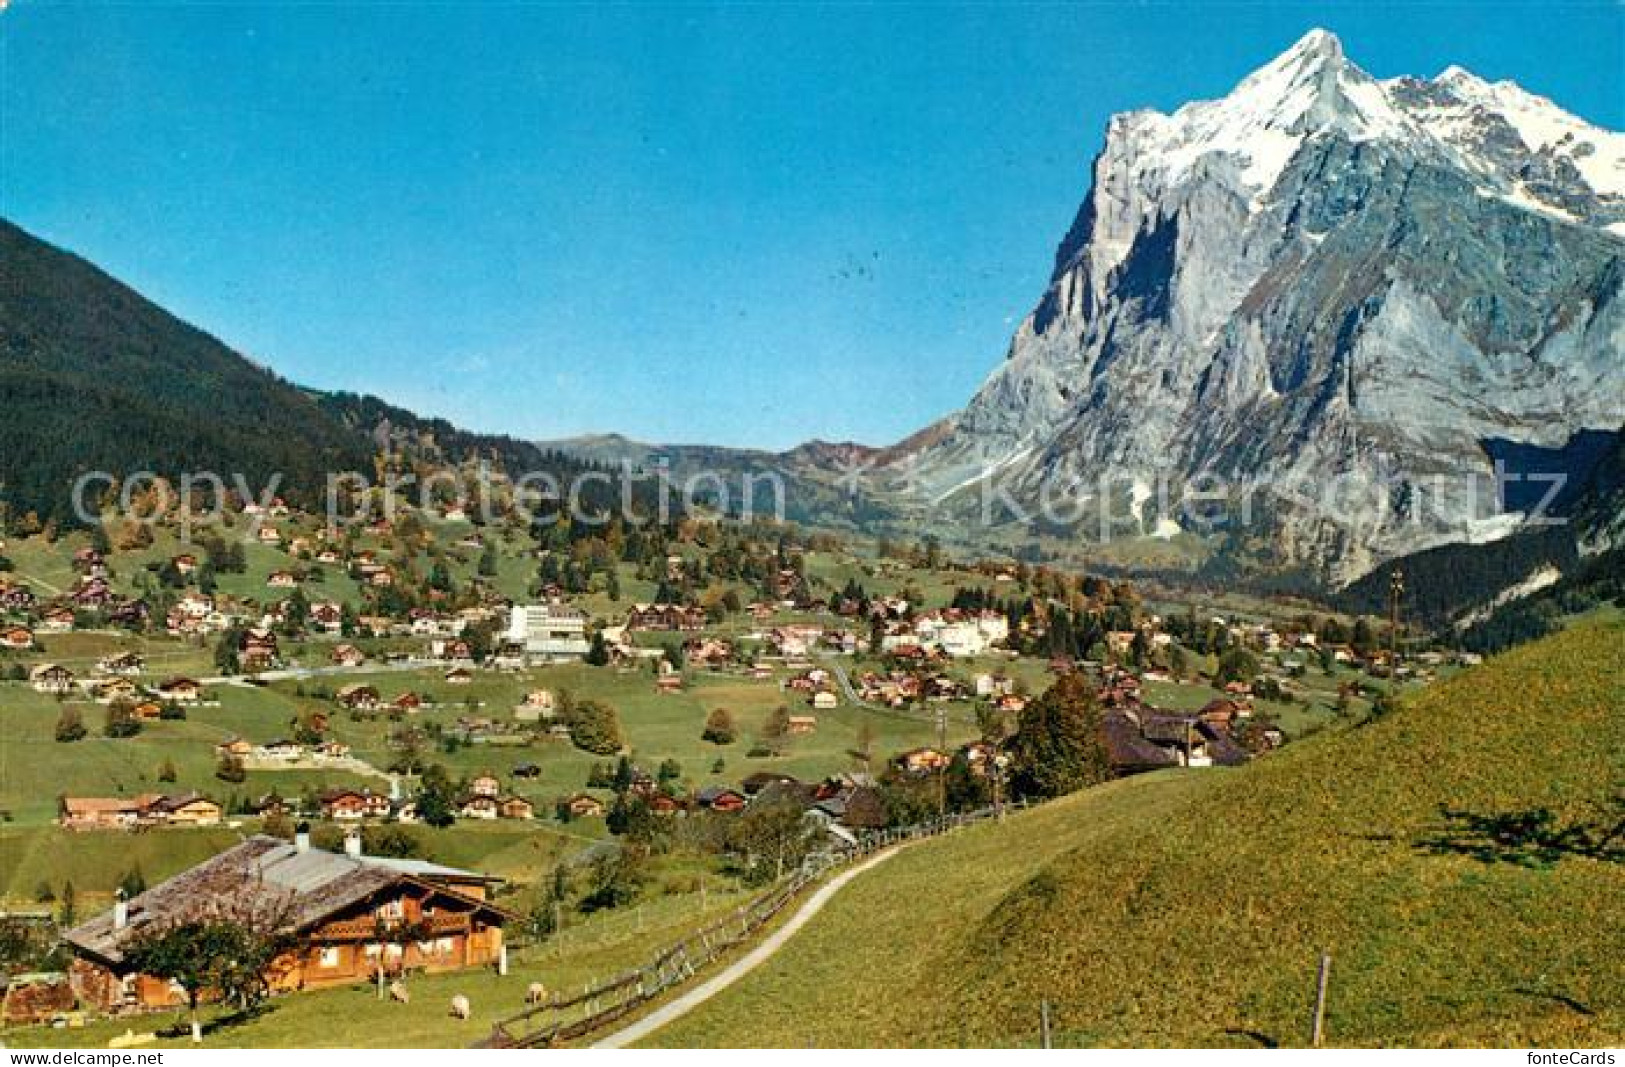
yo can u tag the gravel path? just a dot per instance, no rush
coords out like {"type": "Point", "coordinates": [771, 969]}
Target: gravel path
{"type": "Point", "coordinates": [742, 966]}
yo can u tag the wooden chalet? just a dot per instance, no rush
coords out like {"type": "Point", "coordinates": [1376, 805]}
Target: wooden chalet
{"type": "Point", "coordinates": [665, 617]}
{"type": "Point", "coordinates": [349, 917]}
{"type": "Point", "coordinates": [349, 805]}
{"type": "Point", "coordinates": [358, 697]}
{"type": "Point", "coordinates": [584, 806]}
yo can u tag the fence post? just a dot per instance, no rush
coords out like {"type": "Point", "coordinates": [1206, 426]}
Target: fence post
{"type": "Point", "coordinates": [1320, 999]}
{"type": "Point", "coordinates": [1043, 1024]}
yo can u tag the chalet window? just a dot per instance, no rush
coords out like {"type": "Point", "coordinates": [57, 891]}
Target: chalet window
{"type": "Point", "coordinates": [391, 910]}
{"type": "Point", "coordinates": [329, 957]}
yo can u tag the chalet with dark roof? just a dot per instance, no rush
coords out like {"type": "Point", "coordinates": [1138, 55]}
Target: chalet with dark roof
{"type": "Point", "coordinates": [348, 916]}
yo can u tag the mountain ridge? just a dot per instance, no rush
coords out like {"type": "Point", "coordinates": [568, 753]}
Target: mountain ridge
{"type": "Point", "coordinates": [1321, 276]}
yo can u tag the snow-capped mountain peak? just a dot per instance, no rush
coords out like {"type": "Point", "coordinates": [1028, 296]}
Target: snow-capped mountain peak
{"type": "Point", "coordinates": [1319, 276]}
{"type": "Point", "coordinates": [1517, 146]}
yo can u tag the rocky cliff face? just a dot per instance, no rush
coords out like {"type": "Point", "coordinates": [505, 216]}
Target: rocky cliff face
{"type": "Point", "coordinates": [1326, 291]}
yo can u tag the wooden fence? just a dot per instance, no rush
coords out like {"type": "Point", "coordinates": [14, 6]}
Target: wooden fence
{"type": "Point", "coordinates": [561, 1019]}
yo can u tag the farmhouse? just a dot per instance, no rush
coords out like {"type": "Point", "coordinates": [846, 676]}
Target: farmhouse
{"type": "Point", "coordinates": [327, 616]}
{"type": "Point", "coordinates": [1143, 739]}
{"type": "Point", "coordinates": [516, 808]}
{"type": "Point", "coordinates": [123, 663]}
{"type": "Point", "coordinates": [921, 761]}
{"type": "Point", "coordinates": [350, 915]}
{"type": "Point", "coordinates": [755, 783]}
{"type": "Point", "coordinates": [114, 689]}
{"type": "Point", "coordinates": [17, 637]}
{"type": "Point", "coordinates": [348, 656]}
{"type": "Point", "coordinates": [180, 690]}
{"type": "Point", "coordinates": [358, 697]}
{"type": "Point", "coordinates": [258, 649]}
{"type": "Point", "coordinates": [665, 617]}
{"type": "Point", "coordinates": [538, 704]}
{"type": "Point", "coordinates": [147, 809]}
{"type": "Point", "coordinates": [187, 809]}
{"type": "Point", "coordinates": [102, 813]}
{"type": "Point", "coordinates": [58, 620]}
{"type": "Point", "coordinates": [720, 798]}
{"type": "Point", "coordinates": [584, 806]}
{"type": "Point", "coordinates": [50, 678]}
{"type": "Point", "coordinates": [350, 805]}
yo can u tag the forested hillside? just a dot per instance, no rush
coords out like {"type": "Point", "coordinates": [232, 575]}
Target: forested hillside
{"type": "Point", "coordinates": [95, 377]}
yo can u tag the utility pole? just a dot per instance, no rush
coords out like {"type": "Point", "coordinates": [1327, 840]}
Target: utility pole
{"type": "Point", "coordinates": [996, 772]}
{"type": "Point", "coordinates": [942, 768]}
{"type": "Point", "coordinates": [1319, 1029]}
{"type": "Point", "coordinates": [1396, 589]}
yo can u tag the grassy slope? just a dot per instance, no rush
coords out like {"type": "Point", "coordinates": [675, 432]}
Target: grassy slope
{"type": "Point", "coordinates": [1190, 909]}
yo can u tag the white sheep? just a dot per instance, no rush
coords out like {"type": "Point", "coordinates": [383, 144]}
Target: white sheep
{"type": "Point", "coordinates": [535, 993]}
{"type": "Point", "coordinates": [397, 992]}
{"type": "Point", "coordinates": [459, 1007]}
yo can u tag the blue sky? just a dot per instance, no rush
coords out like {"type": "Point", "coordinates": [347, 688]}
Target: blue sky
{"type": "Point", "coordinates": [746, 225]}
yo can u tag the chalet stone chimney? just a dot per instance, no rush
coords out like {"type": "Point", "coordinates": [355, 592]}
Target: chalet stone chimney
{"type": "Point", "coordinates": [352, 843]}
{"type": "Point", "coordinates": [121, 910]}
{"type": "Point", "coordinates": [301, 838]}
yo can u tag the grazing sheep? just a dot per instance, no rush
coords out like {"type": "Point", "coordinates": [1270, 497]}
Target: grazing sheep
{"type": "Point", "coordinates": [459, 1007]}
{"type": "Point", "coordinates": [536, 993]}
{"type": "Point", "coordinates": [397, 991]}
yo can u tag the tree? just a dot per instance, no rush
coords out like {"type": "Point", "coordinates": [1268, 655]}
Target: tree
{"type": "Point", "coordinates": [70, 725]}
{"type": "Point", "coordinates": [544, 916]}
{"type": "Point", "coordinates": [1178, 661]}
{"type": "Point", "coordinates": [598, 651]}
{"type": "Point", "coordinates": [595, 728]}
{"type": "Point", "coordinates": [166, 770]}
{"type": "Point", "coordinates": [865, 742]}
{"type": "Point", "coordinates": [630, 817]}
{"type": "Point", "coordinates": [1059, 746]}
{"type": "Point", "coordinates": [226, 953]}
{"type": "Point", "coordinates": [965, 789]}
{"type": "Point", "coordinates": [776, 729]}
{"type": "Point", "coordinates": [1235, 665]}
{"type": "Point", "coordinates": [720, 728]}
{"type": "Point", "coordinates": [133, 883]}
{"type": "Point", "coordinates": [226, 651]}
{"type": "Point", "coordinates": [437, 797]}
{"type": "Point", "coordinates": [122, 721]}
{"type": "Point", "coordinates": [68, 914]}
{"type": "Point", "coordinates": [231, 769]}
{"type": "Point", "coordinates": [770, 836]}
{"type": "Point", "coordinates": [616, 878]}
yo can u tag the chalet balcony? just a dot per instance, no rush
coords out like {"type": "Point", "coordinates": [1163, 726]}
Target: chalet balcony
{"type": "Point", "coordinates": [368, 929]}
